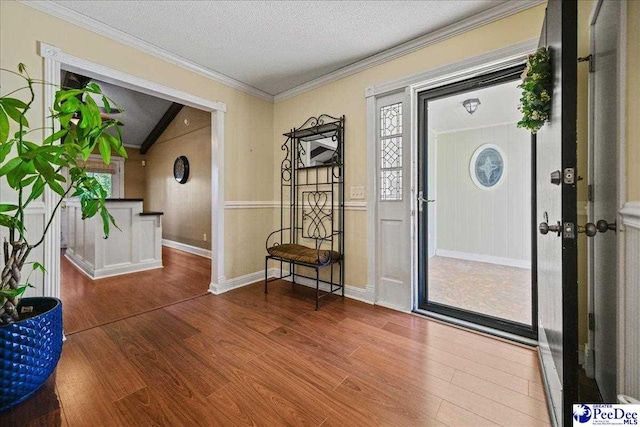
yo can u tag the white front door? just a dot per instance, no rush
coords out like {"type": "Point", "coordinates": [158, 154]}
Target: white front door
{"type": "Point", "coordinates": [393, 236]}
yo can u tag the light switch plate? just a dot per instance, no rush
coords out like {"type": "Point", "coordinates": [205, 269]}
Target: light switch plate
{"type": "Point", "coordinates": [357, 193]}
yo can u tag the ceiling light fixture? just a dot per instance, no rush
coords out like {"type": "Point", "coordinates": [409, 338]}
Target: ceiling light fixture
{"type": "Point", "coordinates": [471, 105]}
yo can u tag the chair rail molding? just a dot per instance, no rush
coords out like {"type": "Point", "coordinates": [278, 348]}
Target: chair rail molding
{"type": "Point", "coordinates": [273, 204]}
{"type": "Point", "coordinates": [55, 59]}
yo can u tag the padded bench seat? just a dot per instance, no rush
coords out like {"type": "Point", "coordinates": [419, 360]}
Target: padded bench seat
{"type": "Point", "coordinates": [299, 253]}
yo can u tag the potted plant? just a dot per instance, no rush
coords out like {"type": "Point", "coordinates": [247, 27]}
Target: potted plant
{"type": "Point", "coordinates": [31, 328]}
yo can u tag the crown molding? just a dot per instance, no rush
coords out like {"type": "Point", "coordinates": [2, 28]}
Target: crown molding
{"type": "Point", "coordinates": [73, 17]}
{"type": "Point", "coordinates": [494, 14]}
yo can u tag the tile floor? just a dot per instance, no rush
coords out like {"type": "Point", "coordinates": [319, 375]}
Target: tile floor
{"type": "Point", "coordinates": [491, 289]}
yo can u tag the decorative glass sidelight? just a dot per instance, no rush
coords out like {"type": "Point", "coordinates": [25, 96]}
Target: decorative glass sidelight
{"type": "Point", "coordinates": [391, 152]}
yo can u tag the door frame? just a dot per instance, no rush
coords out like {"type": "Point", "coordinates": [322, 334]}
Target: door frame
{"type": "Point", "coordinates": [54, 59]}
{"type": "Point", "coordinates": [497, 77]}
{"type": "Point", "coordinates": [450, 73]}
{"type": "Point", "coordinates": [621, 178]}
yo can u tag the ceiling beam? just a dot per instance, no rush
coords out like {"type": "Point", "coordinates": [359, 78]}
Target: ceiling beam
{"type": "Point", "coordinates": [164, 122]}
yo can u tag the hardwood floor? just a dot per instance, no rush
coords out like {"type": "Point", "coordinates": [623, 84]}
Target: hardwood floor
{"type": "Point", "coordinates": [245, 358]}
{"type": "Point", "coordinates": [88, 303]}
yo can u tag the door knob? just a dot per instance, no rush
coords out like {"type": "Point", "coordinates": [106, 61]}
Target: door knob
{"type": "Point", "coordinates": [603, 226]}
{"type": "Point", "coordinates": [545, 228]}
{"type": "Point", "coordinates": [591, 229]}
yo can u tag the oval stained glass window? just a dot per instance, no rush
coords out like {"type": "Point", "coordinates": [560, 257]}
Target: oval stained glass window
{"type": "Point", "coordinates": [487, 166]}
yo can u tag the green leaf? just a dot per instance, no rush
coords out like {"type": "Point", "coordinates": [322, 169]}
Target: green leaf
{"type": "Point", "coordinates": [15, 115]}
{"type": "Point", "coordinates": [37, 189]}
{"type": "Point", "coordinates": [92, 87]}
{"type": "Point", "coordinates": [55, 136]}
{"type": "Point", "coordinates": [7, 221]}
{"type": "Point", "coordinates": [94, 111]}
{"type": "Point", "coordinates": [10, 165]}
{"type": "Point", "coordinates": [13, 102]}
{"type": "Point", "coordinates": [105, 149]}
{"type": "Point", "coordinates": [28, 181]}
{"type": "Point", "coordinates": [7, 208]}
{"type": "Point", "coordinates": [38, 266]}
{"type": "Point", "coordinates": [65, 119]}
{"type": "Point", "coordinates": [71, 105]}
{"type": "Point", "coordinates": [65, 94]}
{"type": "Point", "coordinates": [56, 187]}
{"type": "Point", "coordinates": [13, 293]}
{"type": "Point", "coordinates": [4, 126]}
{"type": "Point", "coordinates": [45, 169]}
{"type": "Point", "coordinates": [105, 102]}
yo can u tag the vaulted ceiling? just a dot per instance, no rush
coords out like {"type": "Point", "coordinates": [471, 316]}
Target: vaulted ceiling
{"type": "Point", "coordinates": [274, 46]}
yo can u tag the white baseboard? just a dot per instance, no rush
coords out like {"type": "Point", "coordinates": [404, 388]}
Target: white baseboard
{"type": "Point", "coordinates": [360, 294]}
{"type": "Point", "coordinates": [489, 259]}
{"type": "Point", "coordinates": [392, 307]}
{"type": "Point", "coordinates": [237, 282]}
{"type": "Point", "coordinates": [126, 268]}
{"type": "Point", "coordinates": [187, 248]}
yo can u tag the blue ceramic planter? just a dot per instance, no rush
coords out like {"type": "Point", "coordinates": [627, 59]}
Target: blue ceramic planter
{"type": "Point", "coordinates": [29, 350]}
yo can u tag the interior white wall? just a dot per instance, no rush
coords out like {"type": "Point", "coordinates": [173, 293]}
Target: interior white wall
{"type": "Point", "coordinates": [493, 225]}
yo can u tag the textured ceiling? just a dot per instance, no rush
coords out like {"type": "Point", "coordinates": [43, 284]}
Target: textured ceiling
{"type": "Point", "coordinates": [277, 45]}
{"type": "Point", "coordinates": [499, 105]}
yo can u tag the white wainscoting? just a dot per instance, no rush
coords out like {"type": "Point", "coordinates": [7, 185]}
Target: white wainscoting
{"type": "Point", "coordinates": [136, 246]}
{"type": "Point", "coordinates": [628, 305]}
{"type": "Point", "coordinates": [34, 224]}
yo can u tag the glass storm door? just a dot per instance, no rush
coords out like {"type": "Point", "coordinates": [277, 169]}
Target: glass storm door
{"type": "Point", "coordinates": [475, 204]}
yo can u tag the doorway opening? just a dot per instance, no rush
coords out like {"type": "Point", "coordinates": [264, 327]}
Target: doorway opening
{"type": "Point", "coordinates": [152, 244]}
{"type": "Point", "coordinates": [55, 60]}
{"type": "Point", "coordinates": [475, 246]}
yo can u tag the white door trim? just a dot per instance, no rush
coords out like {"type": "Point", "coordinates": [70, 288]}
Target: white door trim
{"type": "Point", "coordinates": [622, 191]}
{"type": "Point", "coordinates": [54, 58]}
{"type": "Point", "coordinates": [622, 188]}
{"type": "Point", "coordinates": [446, 74]}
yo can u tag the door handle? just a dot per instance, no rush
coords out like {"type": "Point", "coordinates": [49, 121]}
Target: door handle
{"type": "Point", "coordinates": [545, 228]}
{"type": "Point", "coordinates": [421, 199]}
{"type": "Point", "coordinates": [591, 229]}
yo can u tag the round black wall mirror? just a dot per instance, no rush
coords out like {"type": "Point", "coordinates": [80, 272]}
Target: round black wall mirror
{"type": "Point", "coordinates": [181, 169]}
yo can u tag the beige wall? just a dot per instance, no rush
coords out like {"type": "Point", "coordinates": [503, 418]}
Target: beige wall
{"type": "Point", "coordinates": [134, 175]}
{"type": "Point", "coordinates": [633, 101]}
{"type": "Point", "coordinates": [248, 126]}
{"type": "Point", "coordinates": [186, 207]}
{"type": "Point", "coordinates": [346, 96]}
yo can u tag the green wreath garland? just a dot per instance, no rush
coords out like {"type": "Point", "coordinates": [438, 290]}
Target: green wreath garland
{"type": "Point", "coordinates": [537, 86]}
